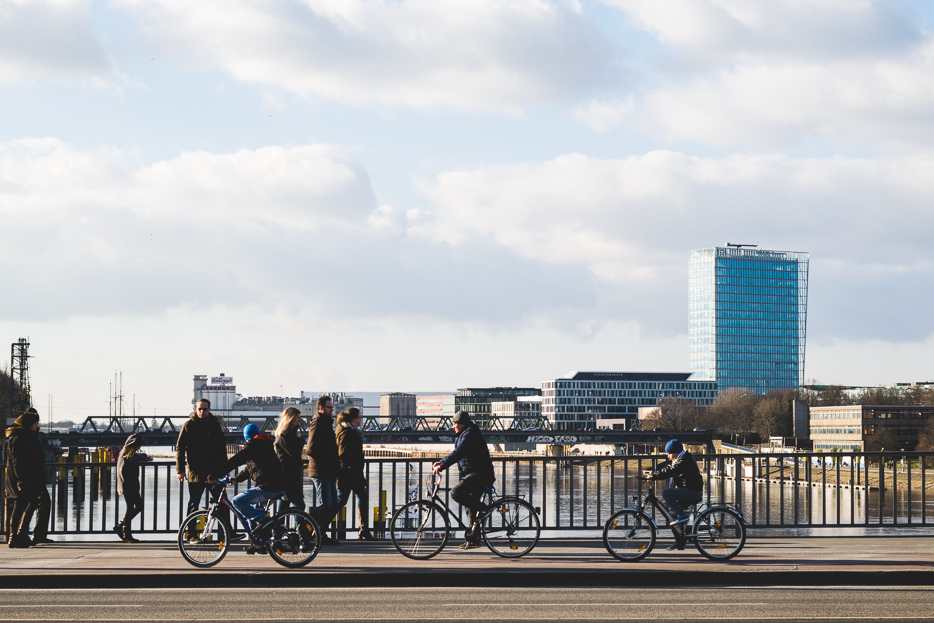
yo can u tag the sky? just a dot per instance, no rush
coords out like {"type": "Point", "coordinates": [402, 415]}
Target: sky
{"type": "Point", "coordinates": [411, 195]}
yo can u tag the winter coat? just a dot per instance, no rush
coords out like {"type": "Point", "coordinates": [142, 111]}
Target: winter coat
{"type": "Point", "coordinates": [288, 449]}
{"type": "Point", "coordinates": [470, 453]}
{"type": "Point", "coordinates": [321, 448]}
{"type": "Point", "coordinates": [202, 442]}
{"type": "Point", "coordinates": [262, 464]}
{"type": "Point", "coordinates": [25, 462]}
{"type": "Point", "coordinates": [128, 471]}
{"type": "Point", "coordinates": [684, 471]}
{"type": "Point", "coordinates": [350, 452]}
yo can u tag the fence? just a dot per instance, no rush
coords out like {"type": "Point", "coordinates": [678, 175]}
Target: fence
{"type": "Point", "coordinates": [805, 490]}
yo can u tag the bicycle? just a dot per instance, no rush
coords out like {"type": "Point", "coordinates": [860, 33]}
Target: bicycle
{"type": "Point", "coordinates": [420, 529]}
{"type": "Point", "coordinates": [291, 537]}
{"type": "Point", "coordinates": [718, 532]}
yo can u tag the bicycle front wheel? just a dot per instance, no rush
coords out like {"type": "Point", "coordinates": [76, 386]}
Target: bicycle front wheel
{"type": "Point", "coordinates": [420, 529]}
{"type": "Point", "coordinates": [511, 528]}
{"type": "Point", "coordinates": [719, 533]}
{"type": "Point", "coordinates": [294, 538]}
{"type": "Point", "coordinates": [203, 540]}
{"type": "Point", "coordinates": [629, 535]}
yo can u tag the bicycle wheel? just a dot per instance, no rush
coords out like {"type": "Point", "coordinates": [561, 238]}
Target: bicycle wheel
{"type": "Point", "coordinates": [203, 541]}
{"type": "Point", "coordinates": [420, 529]}
{"type": "Point", "coordinates": [511, 528]}
{"type": "Point", "coordinates": [294, 538]}
{"type": "Point", "coordinates": [629, 535]}
{"type": "Point", "coordinates": [719, 533]}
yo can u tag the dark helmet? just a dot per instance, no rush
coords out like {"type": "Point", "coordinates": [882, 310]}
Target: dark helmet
{"type": "Point", "coordinates": [674, 447]}
{"type": "Point", "coordinates": [250, 431]}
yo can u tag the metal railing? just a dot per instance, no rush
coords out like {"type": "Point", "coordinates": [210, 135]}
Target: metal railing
{"type": "Point", "coordinates": [804, 490]}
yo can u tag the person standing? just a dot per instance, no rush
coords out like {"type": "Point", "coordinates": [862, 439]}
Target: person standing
{"type": "Point", "coordinates": [476, 471]}
{"type": "Point", "coordinates": [321, 451]}
{"type": "Point", "coordinates": [128, 485]}
{"type": "Point", "coordinates": [350, 476]}
{"type": "Point", "coordinates": [288, 448]}
{"type": "Point", "coordinates": [201, 445]}
{"type": "Point", "coordinates": [25, 482]}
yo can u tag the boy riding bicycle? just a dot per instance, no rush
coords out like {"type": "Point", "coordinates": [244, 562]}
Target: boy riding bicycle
{"type": "Point", "coordinates": [688, 486]}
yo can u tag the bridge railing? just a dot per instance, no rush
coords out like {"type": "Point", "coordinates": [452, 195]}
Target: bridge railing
{"type": "Point", "coordinates": [574, 494]}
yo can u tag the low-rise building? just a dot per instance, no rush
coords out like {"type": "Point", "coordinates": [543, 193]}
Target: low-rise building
{"type": "Point", "coordinates": [853, 427]}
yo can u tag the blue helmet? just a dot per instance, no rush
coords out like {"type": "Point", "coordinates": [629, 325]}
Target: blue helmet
{"type": "Point", "coordinates": [672, 447]}
{"type": "Point", "coordinates": [250, 431]}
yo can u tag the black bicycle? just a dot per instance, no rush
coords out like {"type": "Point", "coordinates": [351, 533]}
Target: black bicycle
{"type": "Point", "coordinates": [718, 532]}
{"type": "Point", "coordinates": [291, 537]}
{"type": "Point", "coordinates": [421, 528]}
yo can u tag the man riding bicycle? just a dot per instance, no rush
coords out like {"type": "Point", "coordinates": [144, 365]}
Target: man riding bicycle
{"type": "Point", "coordinates": [688, 487]}
{"type": "Point", "coordinates": [476, 471]}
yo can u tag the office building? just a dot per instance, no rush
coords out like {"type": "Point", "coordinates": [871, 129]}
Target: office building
{"type": "Point", "coordinates": [578, 400]}
{"type": "Point", "coordinates": [852, 427]}
{"type": "Point", "coordinates": [747, 317]}
{"type": "Point", "coordinates": [478, 401]}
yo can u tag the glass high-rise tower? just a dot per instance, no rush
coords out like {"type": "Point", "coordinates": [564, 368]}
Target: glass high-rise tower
{"type": "Point", "coordinates": [747, 317]}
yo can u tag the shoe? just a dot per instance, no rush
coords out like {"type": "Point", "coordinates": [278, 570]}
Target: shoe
{"type": "Point", "coordinates": [364, 534]}
{"type": "Point", "coordinates": [193, 540]}
{"type": "Point", "coordinates": [675, 546]}
{"type": "Point", "coordinates": [326, 540]}
{"type": "Point", "coordinates": [680, 519]}
{"type": "Point", "coordinates": [38, 540]}
{"type": "Point", "coordinates": [469, 545]}
{"type": "Point", "coordinates": [18, 541]}
{"type": "Point", "coordinates": [118, 529]}
{"type": "Point", "coordinates": [128, 537]}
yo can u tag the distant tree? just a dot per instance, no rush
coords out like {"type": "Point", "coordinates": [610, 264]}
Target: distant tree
{"type": "Point", "coordinates": [674, 414]}
{"type": "Point", "coordinates": [829, 396]}
{"type": "Point", "coordinates": [926, 437]}
{"type": "Point", "coordinates": [772, 413]}
{"type": "Point", "coordinates": [731, 414]}
{"type": "Point", "coordinates": [883, 396]}
{"type": "Point", "coordinates": [883, 439]}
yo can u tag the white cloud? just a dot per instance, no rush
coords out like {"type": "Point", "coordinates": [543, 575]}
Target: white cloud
{"type": "Point", "coordinates": [422, 54]}
{"type": "Point", "coordinates": [51, 39]}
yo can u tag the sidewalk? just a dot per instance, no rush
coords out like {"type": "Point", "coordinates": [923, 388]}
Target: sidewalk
{"type": "Point", "coordinates": [811, 561]}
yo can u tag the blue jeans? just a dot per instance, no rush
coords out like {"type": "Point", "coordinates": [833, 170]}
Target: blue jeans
{"type": "Point", "coordinates": [245, 502]}
{"type": "Point", "coordinates": [326, 498]}
{"type": "Point", "coordinates": [363, 501]}
{"type": "Point", "coordinates": [676, 498]}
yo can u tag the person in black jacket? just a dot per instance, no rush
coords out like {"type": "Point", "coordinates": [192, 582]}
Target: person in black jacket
{"type": "Point", "coordinates": [262, 465]}
{"type": "Point", "coordinates": [323, 463]}
{"type": "Point", "coordinates": [128, 485]}
{"type": "Point", "coordinates": [476, 471]}
{"type": "Point", "coordinates": [25, 482]}
{"type": "Point", "coordinates": [202, 444]}
{"type": "Point", "coordinates": [351, 478]}
{"type": "Point", "coordinates": [288, 448]}
{"type": "Point", "coordinates": [688, 487]}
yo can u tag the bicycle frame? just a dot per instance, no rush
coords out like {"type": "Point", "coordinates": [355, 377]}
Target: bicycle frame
{"type": "Point", "coordinates": [487, 498]}
{"type": "Point", "coordinates": [224, 500]}
{"type": "Point", "coordinates": [693, 510]}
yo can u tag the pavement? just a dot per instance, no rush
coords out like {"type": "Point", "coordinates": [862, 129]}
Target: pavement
{"type": "Point", "coordinates": [769, 561]}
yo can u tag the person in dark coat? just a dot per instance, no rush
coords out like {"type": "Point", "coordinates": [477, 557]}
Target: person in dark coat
{"type": "Point", "coordinates": [128, 485]}
{"type": "Point", "coordinates": [25, 482]}
{"type": "Point", "coordinates": [687, 489]}
{"type": "Point", "coordinates": [262, 465]}
{"type": "Point", "coordinates": [288, 447]}
{"type": "Point", "coordinates": [202, 445]}
{"type": "Point", "coordinates": [476, 471]}
{"type": "Point", "coordinates": [323, 462]}
{"type": "Point", "coordinates": [351, 478]}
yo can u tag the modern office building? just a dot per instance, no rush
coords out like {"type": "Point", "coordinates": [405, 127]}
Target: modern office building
{"type": "Point", "coordinates": [851, 427]}
{"type": "Point", "coordinates": [523, 413]}
{"type": "Point", "coordinates": [578, 400]}
{"type": "Point", "coordinates": [478, 401]}
{"type": "Point", "coordinates": [747, 317]}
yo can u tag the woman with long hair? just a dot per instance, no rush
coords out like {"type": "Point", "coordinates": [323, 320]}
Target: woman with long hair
{"type": "Point", "coordinates": [288, 448]}
{"type": "Point", "coordinates": [128, 485]}
{"type": "Point", "coordinates": [351, 477]}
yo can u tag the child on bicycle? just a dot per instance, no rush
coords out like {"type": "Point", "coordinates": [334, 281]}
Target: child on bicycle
{"type": "Point", "coordinates": [688, 487]}
{"type": "Point", "coordinates": [262, 465]}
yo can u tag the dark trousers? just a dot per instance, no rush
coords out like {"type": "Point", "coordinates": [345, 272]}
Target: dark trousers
{"type": "Point", "coordinates": [677, 498]}
{"type": "Point", "coordinates": [468, 493]}
{"type": "Point", "coordinates": [196, 492]}
{"type": "Point", "coordinates": [134, 506]}
{"type": "Point", "coordinates": [27, 503]}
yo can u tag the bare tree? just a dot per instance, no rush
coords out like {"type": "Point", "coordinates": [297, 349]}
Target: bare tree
{"type": "Point", "coordinates": [674, 414]}
{"type": "Point", "coordinates": [772, 414]}
{"type": "Point", "coordinates": [731, 413]}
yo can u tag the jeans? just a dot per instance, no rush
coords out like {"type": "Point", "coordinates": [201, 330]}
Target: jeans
{"type": "Point", "coordinates": [326, 498]}
{"type": "Point", "coordinates": [362, 495]}
{"type": "Point", "coordinates": [676, 499]}
{"type": "Point", "coordinates": [246, 501]}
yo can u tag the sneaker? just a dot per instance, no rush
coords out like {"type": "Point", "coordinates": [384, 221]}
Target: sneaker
{"type": "Point", "coordinates": [37, 540]}
{"type": "Point", "coordinates": [469, 545]}
{"type": "Point", "coordinates": [680, 519]}
{"type": "Point", "coordinates": [675, 546]}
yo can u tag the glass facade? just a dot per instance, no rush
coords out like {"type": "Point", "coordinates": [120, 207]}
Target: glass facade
{"type": "Point", "coordinates": [747, 317]}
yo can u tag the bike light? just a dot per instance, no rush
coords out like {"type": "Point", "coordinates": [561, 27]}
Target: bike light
{"type": "Point", "coordinates": [538, 510]}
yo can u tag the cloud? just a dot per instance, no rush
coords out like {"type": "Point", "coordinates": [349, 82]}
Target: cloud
{"type": "Point", "coordinates": [421, 54]}
{"type": "Point", "coordinates": [51, 40]}
{"type": "Point", "coordinates": [867, 224]}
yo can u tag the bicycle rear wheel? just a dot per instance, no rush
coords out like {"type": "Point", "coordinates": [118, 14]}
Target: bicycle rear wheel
{"type": "Point", "coordinates": [203, 541]}
{"type": "Point", "coordinates": [294, 538]}
{"type": "Point", "coordinates": [629, 535]}
{"type": "Point", "coordinates": [511, 528]}
{"type": "Point", "coordinates": [719, 533]}
{"type": "Point", "coordinates": [420, 529]}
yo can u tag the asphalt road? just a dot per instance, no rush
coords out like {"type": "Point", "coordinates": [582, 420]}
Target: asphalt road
{"type": "Point", "coordinates": [463, 604]}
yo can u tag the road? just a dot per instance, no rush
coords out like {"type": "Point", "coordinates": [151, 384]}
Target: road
{"type": "Point", "coordinates": [465, 604]}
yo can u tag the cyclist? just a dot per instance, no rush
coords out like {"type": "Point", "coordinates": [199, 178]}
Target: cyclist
{"type": "Point", "coordinates": [262, 465]}
{"type": "Point", "coordinates": [687, 489]}
{"type": "Point", "coordinates": [476, 471]}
